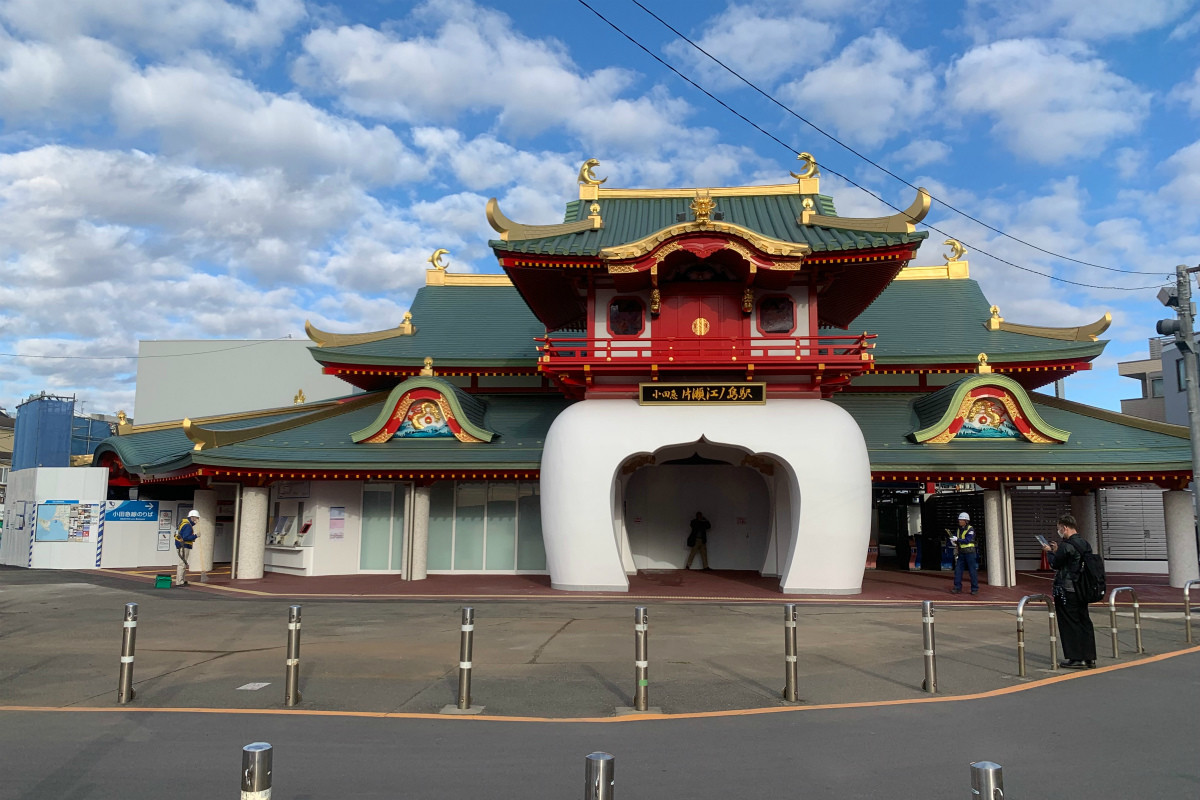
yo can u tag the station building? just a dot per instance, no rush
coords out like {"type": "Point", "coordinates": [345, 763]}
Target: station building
{"type": "Point", "coordinates": [744, 352]}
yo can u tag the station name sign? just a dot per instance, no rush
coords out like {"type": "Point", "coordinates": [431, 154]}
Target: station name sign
{"type": "Point", "coordinates": [710, 394]}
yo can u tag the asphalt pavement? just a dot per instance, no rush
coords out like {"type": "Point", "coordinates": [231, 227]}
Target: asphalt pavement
{"type": "Point", "coordinates": [550, 674]}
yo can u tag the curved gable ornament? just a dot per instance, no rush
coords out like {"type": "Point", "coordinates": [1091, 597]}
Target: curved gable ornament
{"type": "Point", "coordinates": [422, 408]}
{"type": "Point", "coordinates": [988, 407]}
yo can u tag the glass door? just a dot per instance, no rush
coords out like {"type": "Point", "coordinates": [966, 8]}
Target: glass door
{"type": "Point", "coordinates": [384, 526]}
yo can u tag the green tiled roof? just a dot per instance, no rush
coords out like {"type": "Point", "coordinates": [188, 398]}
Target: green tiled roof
{"type": "Point", "coordinates": [476, 325]}
{"type": "Point", "coordinates": [1100, 440]}
{"type": "Point", "coordinates": [923, 321]}
{"type": "Point", "coordinates": [628, 220]}
{"type": "Point", "coordinates": [942, 321]}
{"type": "Point", "coordinates": [155, 451]}
{"type": "Point", "coordinates": [520, 422]}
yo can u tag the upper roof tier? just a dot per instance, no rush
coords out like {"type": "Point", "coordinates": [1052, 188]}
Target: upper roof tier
{"type": "Point", "coordinates": [602, 220]}
{"type": "Point", "coordinates": [780, 234]}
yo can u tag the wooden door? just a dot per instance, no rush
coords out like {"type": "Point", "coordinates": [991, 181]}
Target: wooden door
{"type": "Point", "coordinates": [703, 322]}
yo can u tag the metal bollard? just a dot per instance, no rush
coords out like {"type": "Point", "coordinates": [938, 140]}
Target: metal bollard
{"type": "Point", "coordinates": [790, 649]}
{"type": "Point", "coordinates": [125, 691]}
{"type": "Point", "coordinates": [1187, 607]}
{"type": "Point", "coordinates": [598, 776]}
{"type": "Point", "coordinates": [987, 780]}
{"type": "Point", "coordinates": [256, 771]}
{"type": "Point", "coordinates": [930, 684]}
{"type": "Point", "coordinates": [1112, 618]}
{"type": "Point", "coordinates": [1021, 631]}
{"type": "Point", "coordinates": [291, 687]}
{"type": "Point", "coordinates": [465, 646]}
{"type": "Point", "coordinates": [641, 658]}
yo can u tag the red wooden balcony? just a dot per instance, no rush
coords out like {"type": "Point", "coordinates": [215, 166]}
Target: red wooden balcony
{"type": "Point", "coordinates": [834, 355]}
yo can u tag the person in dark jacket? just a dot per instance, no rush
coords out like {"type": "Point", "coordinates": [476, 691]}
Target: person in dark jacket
{"type": "Point", "coordinates": [698, 541]}
{"type": "Point", "coordinates": [1075, 629]}
{"type": "Point", "coordinates": [185, 537]}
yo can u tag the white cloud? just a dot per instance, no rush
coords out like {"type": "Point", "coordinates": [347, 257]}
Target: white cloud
{"type": "Point", "coordinates": [41, 83]}
{"type": "Point", "coordinates": [1050, 100]}
{"type": "Point", "coordinates": [872, 91]}
{"type": "Point", "coordinates": [157, 25]}
{"type": "Point", "coordinates": [759, 44]}
{"type": "Point", "coordinates": [227, 121]}
{"type": "Point", "coordinates": [1188, 93]}
{"type": "Point", "coordinates": [921, 152]}
{"type": "Point", "coordinates": [1182, 192]}
{"type": "Point", "coordinates": [474, 62]}
{"type": "Point", "coordinates": [1074, 19]}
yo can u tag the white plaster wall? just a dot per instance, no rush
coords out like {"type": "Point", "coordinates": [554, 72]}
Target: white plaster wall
{"type": "Point", "coordinates": [235, 374]}
{"type": "Point", "coordinates": [820, 446]}
{"type": "Point", "coordinates": [661, 501]}
{"type": "Point", "coordinates": [135, 544]}
{"type": "Point", "coordinates": [335, 556]}
{"type": "Point", "coordinates": [85, 485]}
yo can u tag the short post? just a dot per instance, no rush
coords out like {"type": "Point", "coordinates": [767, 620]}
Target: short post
{"type": "Point", "coordinates": [930, 684]}
{"type": "Point", "coordinates": [641, 658]}
{"type": "Point", "coordinates": [1187, 607]}
{"type": "Point", "coordinates": [1112, 618]}
{"type": "Point", "coordinates": [291, 687]}
{"type": "Point", "coordinates": [1021, 631]}
{"type": "Point", "coordinates": [791, 665]}
{"type": "Point", "coordinates": [125, 691]}
{"type": "Point", "coordinates": [465, 646]}
{"type": "Point", "coordinates": [987, 780]}
{"type": "Point", "coordinates": [256, 771]}
{"type": "Point", "coordinates": [598, 776]}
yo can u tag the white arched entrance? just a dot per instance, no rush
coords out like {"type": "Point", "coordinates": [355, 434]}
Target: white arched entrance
{"type": "Point", "coordinates": [657, 500]}
{"type": "Point", "coordinates": [819, 492]}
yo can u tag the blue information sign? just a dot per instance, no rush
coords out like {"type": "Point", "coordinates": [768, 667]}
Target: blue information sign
{"type": "Point", "coordinates": [131, 511]}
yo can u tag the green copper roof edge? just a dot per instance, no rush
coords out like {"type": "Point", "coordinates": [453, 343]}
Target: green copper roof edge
{"type": "Point", "coordinates": [340, 357]}
{"type": "Point", "coordinates": [1085, 349]}
{"type": "Point", "coordinates": [446, 389]}
{"type": "Point", "coordinates": [1015, 389]}
{"type": "Point", "coordinates": [1165, 428]}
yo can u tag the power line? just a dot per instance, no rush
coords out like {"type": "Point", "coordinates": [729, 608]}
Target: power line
{"type": "Point", "coordinates": [138, 358]}
{"type": "Point", "coordinates": [780, 142]}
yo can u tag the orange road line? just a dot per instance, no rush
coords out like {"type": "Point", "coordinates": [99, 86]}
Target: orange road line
{"type": "Point", "coordinates": [744, 712]}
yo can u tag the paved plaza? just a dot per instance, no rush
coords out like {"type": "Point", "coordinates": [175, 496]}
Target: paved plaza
{"type": "Point", "coordinates": [375, 672]}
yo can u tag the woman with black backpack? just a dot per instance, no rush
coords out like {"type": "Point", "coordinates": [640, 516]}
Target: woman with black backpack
{"type": "Point", "coordinates": [1074, 622]}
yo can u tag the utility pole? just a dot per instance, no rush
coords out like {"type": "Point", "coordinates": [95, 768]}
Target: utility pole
{"type": "Point", "coordinates": [1180, 298]}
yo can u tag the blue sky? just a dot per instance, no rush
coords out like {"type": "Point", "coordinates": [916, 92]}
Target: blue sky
{"type": "Point", "coordinates": [176, 169]}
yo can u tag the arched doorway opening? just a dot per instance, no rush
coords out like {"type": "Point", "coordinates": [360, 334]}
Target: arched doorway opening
{"type": "Point", "coordinates": [661, 492]}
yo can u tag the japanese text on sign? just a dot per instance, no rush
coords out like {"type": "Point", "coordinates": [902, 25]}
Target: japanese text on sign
{"type": "Point", "coordinates": [704, 393]}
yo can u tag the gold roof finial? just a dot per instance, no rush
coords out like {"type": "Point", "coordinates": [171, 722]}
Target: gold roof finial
{"type": "Point", "coordinates": [983, 368]}
{"type": "Point", "coordinates": [299, 398]}
{"type": "Point", "coordinates": [427, 370]}
{"type": "Point", "coordinates": [993, 323]}
{"type": "Point", "coordinates": [436, 259]}
{"type": "Point", "coordinates": [586, 176]}
{"type": "Point", "coordinates": [810, 167]}
{"type": "Point", "coordinates": [957, 251]}
{"type": "Point", "coordinates": [702, 207]}
{"type": "Point", "coordinates": [123, 424]}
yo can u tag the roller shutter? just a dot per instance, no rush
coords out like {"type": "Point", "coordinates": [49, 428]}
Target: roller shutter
{"type": "Point", "coordinates": [1036, 511]}
{"type": "Point", "coordinates": [1132, 527]}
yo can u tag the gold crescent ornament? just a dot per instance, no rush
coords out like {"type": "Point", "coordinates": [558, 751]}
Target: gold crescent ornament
{"type": "Point", "coordinates": [810, 167]}
{"type": "Point", "coordinates": [436, 259]}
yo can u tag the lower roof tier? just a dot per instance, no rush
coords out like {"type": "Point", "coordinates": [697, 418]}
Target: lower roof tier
{"type": "Point", "coordinates": [1103, 446]}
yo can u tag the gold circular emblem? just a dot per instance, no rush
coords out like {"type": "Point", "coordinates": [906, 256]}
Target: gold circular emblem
{"type": "Point", "coordinates": [700, 326]}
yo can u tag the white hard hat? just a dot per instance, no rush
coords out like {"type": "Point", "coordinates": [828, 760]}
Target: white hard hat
{"type": "Point", "coordinates": [965, 515]}
{"type": "Point", "coordinates": [193, 513]}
